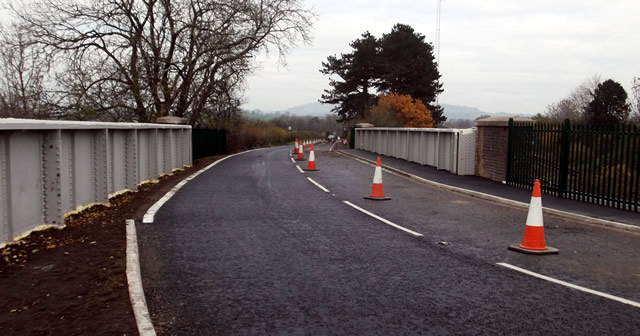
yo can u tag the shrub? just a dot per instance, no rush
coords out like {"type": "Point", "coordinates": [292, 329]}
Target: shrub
{"type": "Point", "coordinates": [411, 112]}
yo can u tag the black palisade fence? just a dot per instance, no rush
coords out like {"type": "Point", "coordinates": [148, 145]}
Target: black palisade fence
{"type": "Point", "coordinates": [598, 165]}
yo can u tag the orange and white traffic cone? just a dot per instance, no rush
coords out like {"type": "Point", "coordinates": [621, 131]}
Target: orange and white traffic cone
{"type": "Point", "coordinates": [300, 153]}
{"type": "Point", "coordinates": [295, 147]}
{"type": "Point", "coordinates": [311, 164]}
{"type": "Point", "coordinates": [533, 240]}
{"type": "Point", "coordinates": [376, 191]}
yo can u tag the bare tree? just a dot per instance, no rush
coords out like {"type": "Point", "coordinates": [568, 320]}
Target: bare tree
{"type": "Point", "coordinates": [23, 71]}
{"type": "Point", "coordinates": [567, 108]}
{"type": "Point", "coordinates": [142, 59]}
{"type": "Point", "coordinates": [634, 100]}
{"type": "Point", "coordinates": [573, 107]}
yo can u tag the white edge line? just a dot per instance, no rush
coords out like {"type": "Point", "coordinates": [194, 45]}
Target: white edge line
{"type": "Point", "coordinates": [382, 219]}
{"type": "Point", "coordinates": [149, 215]}
{"type": "Point", "coordinates": [300, 169]}
{"type": "Point", "coordinates": [318, 185]}
{"type": "Point", "coordinates": [330, 149]}
{"type": "Point", "coordinates": [577, 217]}
{"type": "Point", "coordinates": [134, 279]}
{"type": "Point", "coordinates": [563, 283]}
{"type": "Point", "coordinates": [292, 160]}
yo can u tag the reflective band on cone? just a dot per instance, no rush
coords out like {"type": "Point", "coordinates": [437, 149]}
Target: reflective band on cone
{"type": "Point", "coordinates": [377, 192]}
{"type": "Point", "coordinates": [295, 147]}
{"type": "Point", "coordinates": [300, 153]}
{"type": "Point", "coordinates": [533, 240]}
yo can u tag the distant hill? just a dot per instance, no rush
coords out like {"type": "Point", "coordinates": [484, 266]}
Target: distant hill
{"type": "Point", "coordinates": [311, 109]}
{"type": "Point", "coordinates": [467, 112]}
{"type": "Point", "coordinates": [320, 110]}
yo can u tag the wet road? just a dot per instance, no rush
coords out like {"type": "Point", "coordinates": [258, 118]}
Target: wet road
{"type": "Point", "coordinates": [253, 247]}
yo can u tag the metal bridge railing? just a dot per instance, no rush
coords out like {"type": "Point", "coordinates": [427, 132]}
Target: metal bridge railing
{"type": "Point", "coordinates": [51, 168]}
{"type": "Point", "coordinates": [452, 150]}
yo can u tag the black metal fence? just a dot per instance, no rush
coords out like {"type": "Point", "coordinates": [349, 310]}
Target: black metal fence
{"type": "Point", "coordinates": [208, 142]}
{"type": "Point", "coordinates": [590, 164]}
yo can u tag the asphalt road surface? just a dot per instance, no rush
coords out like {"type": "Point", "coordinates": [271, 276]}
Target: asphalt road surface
{"type": "Point", "coordinates": [253, 247]}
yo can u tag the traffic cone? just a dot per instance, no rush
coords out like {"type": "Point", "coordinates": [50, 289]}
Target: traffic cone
{"type": "Point", "coordinates": [295, 147]}
{"type": "Point", "coordinates": [376, 191]}
{"type": "Point", "coordinates": [311, 164]}
{"type": "Point", "coordinates": [300, 153]}
{"type": "Point", "coordinates": [533, 240]}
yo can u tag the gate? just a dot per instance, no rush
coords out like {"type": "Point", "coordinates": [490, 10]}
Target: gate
{"type": "Point", "coordinates": [595, 165]}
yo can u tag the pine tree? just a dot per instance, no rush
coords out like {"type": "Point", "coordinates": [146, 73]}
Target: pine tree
{"type": "Point", "coordinates": [356, 70]}
{"type": "Point", "coordinates": [400, 62]}
{"type": "Point", "coordinates": [609, 105]}
{"type": "Point", "coordinates": [407, 66]}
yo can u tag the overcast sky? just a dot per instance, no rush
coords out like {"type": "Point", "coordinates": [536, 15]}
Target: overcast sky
{"type": "Point", "coordinates": [511, 56]}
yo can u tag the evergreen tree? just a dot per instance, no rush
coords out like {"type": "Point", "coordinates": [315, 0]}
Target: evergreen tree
{"type": "Point", "coordinates": [609, 105]}
{"type": "Point", "coordinates": [401, 62]}
{"type": "Point", "coordinates": [351, 93]}
{"type": "Point", "coordinates": [407, 66]}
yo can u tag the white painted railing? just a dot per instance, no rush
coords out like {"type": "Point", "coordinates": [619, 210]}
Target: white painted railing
{"type": "Point", "coordinates": [52, 168]}
{"type": "Point", "coordinates": [453, 150]}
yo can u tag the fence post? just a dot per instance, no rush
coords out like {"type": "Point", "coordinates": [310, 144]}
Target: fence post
{"type": "Point", "coordinates": [509, 149]}
{"type": "Point", "coordinates": [352, 138]}
{"type": "Point", "coordinates": [564, 158]}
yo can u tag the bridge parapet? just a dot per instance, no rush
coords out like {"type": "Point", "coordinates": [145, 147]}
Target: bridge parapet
{"type": "Point", "coordinates": [452, 150]}
{"type": "Point", "coordinates": [52, 168]}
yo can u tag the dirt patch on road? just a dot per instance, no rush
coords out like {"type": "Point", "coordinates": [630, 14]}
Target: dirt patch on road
{"type": "Point", "coordinates": [72, 281]}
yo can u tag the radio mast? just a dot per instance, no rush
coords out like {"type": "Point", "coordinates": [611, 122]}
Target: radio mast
{"type": "Point", "coordinates": [438, 41]}
{"type": "Point", "coordinates": [438, 33]}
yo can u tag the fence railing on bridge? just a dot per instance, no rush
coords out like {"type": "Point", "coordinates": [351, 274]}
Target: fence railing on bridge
{"type": "Point", "coordinates": [453, 150]}
{"type": "Point", "coordinates": [49, 168]}
{"type": "Point", "coordinates": [598, 165]}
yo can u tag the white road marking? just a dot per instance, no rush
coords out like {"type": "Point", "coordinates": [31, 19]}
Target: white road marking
{"type": "Point", "coordinates": [498, 199]}
{"type": "Point", "coordinates": [300, 169]}
{"type": "Point", "coordinates": [330, 149]}
{"type": "Point", "coordinates": [134, 279]}
{"type": "Point", "coordinates": [563, 283]}
{"type": "Point", "coordinates": [318, 185]}
{"type": "Point", "coordinates": [382, 219]}
{"type": "Point", "coordinates": [149, 215]}
{"type": "Point", "coordinates": [292, 160]}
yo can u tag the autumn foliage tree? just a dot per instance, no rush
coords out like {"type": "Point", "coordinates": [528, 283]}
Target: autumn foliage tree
{"type": "Point", "coordinates": [411, 112]}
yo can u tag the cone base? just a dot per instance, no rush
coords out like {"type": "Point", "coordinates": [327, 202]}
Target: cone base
{"type": "Point", "coordinates": [384, 198]}
{"type": "Point", "coordinates": [300, 159]}
{"type": "Point", "coordinates": [307, 169]}
{"type": "Point", "coordinates": [548, 250]}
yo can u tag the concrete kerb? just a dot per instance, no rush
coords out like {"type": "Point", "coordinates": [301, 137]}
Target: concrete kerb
{"type": "Point", "coordinates": [134, 280]}
{"type": "Point", "coordinates": [552, 212]}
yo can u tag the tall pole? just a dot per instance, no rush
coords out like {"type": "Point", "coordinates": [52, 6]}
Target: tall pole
{"type": "Point", "coordinates": [438, 41]}
{"type": "Point", "coordinates": [438, 33]}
